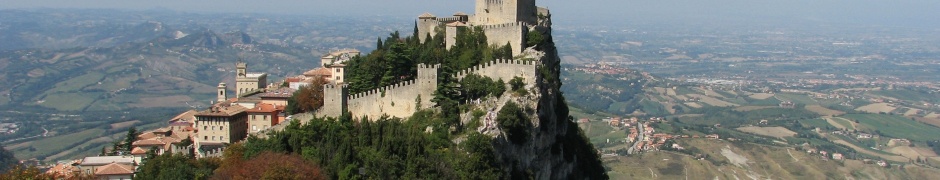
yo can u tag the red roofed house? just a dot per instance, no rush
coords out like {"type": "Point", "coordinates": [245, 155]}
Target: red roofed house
{"type": "Point", "coordinates": [263, 116]}
{"type": "Point", "coordinates": [277, 97]}
{"type": "Point", "coordinates": [115, 171]}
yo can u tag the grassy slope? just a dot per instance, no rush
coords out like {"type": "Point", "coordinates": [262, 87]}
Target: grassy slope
{"type": "Point", "coordinates": [896, 126]}
{"type": "Point", "coordinates": [763, 161]}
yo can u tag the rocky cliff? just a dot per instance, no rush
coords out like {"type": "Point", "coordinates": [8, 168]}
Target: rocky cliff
{"type": "Point", "coordinates": [553, 147]}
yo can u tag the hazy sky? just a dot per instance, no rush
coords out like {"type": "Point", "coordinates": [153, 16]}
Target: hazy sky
{"type": "Point", "coordinates": [883, 12]}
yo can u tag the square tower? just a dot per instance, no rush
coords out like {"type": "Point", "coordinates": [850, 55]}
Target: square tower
{"type": "Point", "coordinates": [490, 12]}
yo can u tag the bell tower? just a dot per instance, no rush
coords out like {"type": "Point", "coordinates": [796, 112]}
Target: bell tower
{"type": "Point", "coordinates": [240, 68]}
{"type": "Point", "coordinates": [222, 96]}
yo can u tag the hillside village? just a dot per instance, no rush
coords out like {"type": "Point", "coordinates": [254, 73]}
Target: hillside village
{"type": "Point", "coordinates": [257, 105]}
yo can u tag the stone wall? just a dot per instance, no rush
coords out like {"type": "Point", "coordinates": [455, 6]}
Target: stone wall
{"type": "Point", "coordinates": [334, 100]}
{"type": "Point", "coordinates": [504, 11]}
{"type": "Point", "coordinates": [511, 33]}
{"type": "Point", "coordinates": [399, 100]}
{"type": "Point", "coordinates": [505, 70]}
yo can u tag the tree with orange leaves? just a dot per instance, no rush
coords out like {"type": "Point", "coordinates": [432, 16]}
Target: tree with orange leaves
{"type": "Point", "coordinates": [307, 98]}
{"type": "Point", "coordinates": [267, 165]}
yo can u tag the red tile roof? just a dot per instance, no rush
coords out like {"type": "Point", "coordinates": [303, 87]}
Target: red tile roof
{"type": "Point", "coordinates": [263, 108]}
{"type": "Point", "coordinates": [285, 92]}
{"type": "Point", "coordinates": [138, 151]}
{"type": "Point", "coordinates": [318, 72]}
{"type": "Point", "coordinates": [115, 169]}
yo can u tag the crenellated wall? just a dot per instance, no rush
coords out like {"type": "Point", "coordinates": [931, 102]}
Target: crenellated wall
{"type": "Point", "coordinates": [505, 70]}
{"type": "Point", "coordinates": [512, 33]}
{"type": "Point", "coordinates": [398, 100]}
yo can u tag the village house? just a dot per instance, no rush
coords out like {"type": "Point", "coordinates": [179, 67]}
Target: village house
{"type": "Point", "coordinates": [837, 156]}
{"type": "Point", "coordinates": [115, 171]}
{"type": "Point", "coordinates": [92, 165]}
{"type": "Point", "coordinates": [263, 116]}
{"type": "Point", "coordinates": [277, 97]}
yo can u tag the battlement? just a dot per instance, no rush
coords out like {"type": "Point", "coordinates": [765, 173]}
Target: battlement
{"type": "Point", "coordinates": [505, 25]}
{"type": "Point", "coordinates": [382, 89]}
{"type": "Point", "coordinates": [335, 86]}
{"type": "Point", "coordinates": [504, 69]}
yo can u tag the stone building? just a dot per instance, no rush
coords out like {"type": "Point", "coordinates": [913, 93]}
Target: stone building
{"type": "Point", "coordinates": [503, 22]}
{"type": "Point", "coordinates": [223, 123]}
{"type": "Point", "coordinates": [248, 81]}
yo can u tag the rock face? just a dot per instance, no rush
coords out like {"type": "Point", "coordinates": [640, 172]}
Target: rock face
{"type": "Point", "coordinates": [556, 147]}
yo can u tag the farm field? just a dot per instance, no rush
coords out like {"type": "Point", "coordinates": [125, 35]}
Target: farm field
{"type": "Point", "coordinates": [896, 126]}
{"type": "Point", "coordinates": [778, 132]}
{"type": "Point", "coordinates": [52, 145]}
{"type": "Point", "coordinates": [795, 98]}
{"type": "Point", "coordinates": [820, 123]}
{"type": "Point", "coordinates": [823, 110]}
{"type": "Point", "coordinates": [906, 95]}
{"type": "Point", "coordinates": [713, 101]}
{"type": "Point", "coordinates": [760, 96]}
{"type": "Point", "coordinates": [876, 108]}
{"type": "Point", "coordinates": [841, 123]}
{"type": "Point", "coordinates": [751, 108]}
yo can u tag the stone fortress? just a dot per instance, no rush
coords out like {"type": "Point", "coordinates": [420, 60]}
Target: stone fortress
{"type": "Point", "coordinates": [503, 21]}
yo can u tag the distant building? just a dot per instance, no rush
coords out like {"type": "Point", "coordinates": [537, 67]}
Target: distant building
{"type": "Point", "coordinates": [223, 123]}
{"type": "Point", "coordinates": [115, 171]}
{"type": "Point", "coordinates": [248, 81]}
{"type": "Point", "coordinates": [91, 165]}
{"type": "Point", "coordinates": [277, 97]}
{"type": "Point", "coordinates": [837, 156]}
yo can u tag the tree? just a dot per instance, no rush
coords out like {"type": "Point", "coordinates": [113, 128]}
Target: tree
{"type": "Point", "coordinates": [534, 38]}
{"type": "Point", "coordinates": [177, 166]}
{"type": "Point", "coordinates": [7, 160]}
{"type": "Point", "coordinates": [308, 98]}
{"type": "Point", "coordinates": [269, 165]}
{"type": "Point", "coordinates": [129, 140]}
{"type": "Point", "coordinates": [515, 122]}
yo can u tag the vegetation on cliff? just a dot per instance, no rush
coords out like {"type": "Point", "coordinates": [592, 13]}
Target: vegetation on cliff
{"type": "Point", "coordinates": [416, 148]}
{"type": "Point", "coordinates": [7, 160]}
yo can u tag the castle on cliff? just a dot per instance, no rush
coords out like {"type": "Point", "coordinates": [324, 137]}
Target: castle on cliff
{"type": "Point", "coordinates": [502, 21]}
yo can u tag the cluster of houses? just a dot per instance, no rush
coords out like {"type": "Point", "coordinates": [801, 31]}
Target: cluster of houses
{"type": "Point", "coordinates": [824, 155]}
{"type": "Point", "coordinates": [9, 128]}
{"type": "Point", "coordinates": [204, 133]}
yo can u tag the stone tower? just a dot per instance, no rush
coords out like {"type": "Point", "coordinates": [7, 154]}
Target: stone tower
{"type": "Point", "coordinates": [334, 100]}
{"type": "Point", "coordinates": [426, 23]}
{"type": "Point", "coordinates": [246, 81]}
{"type": "Point", "coordinates": [451, 33]}
{"type": "Point", "coordinates": [241, 68]}
{"type": "Point", "coordinates": [490, 12]}
{"type": "Point", "coordinates": [222, 96]}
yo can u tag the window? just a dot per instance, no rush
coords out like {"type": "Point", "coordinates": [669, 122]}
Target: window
{"type": "Point", "coordinates": [339, 78]}
{"type": "Point", "coordinates": [206, 138]}
{"type": "Point", "coordinates": [213, 128]}
{"type": "Point", "coordinates": [213, 138]}
{"type": "Point", "coordinates": [339, 70]}
{"type": "Point", "coordinates": [205, 127]}
{"type": "Point", "coordinates": [255, 128]}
